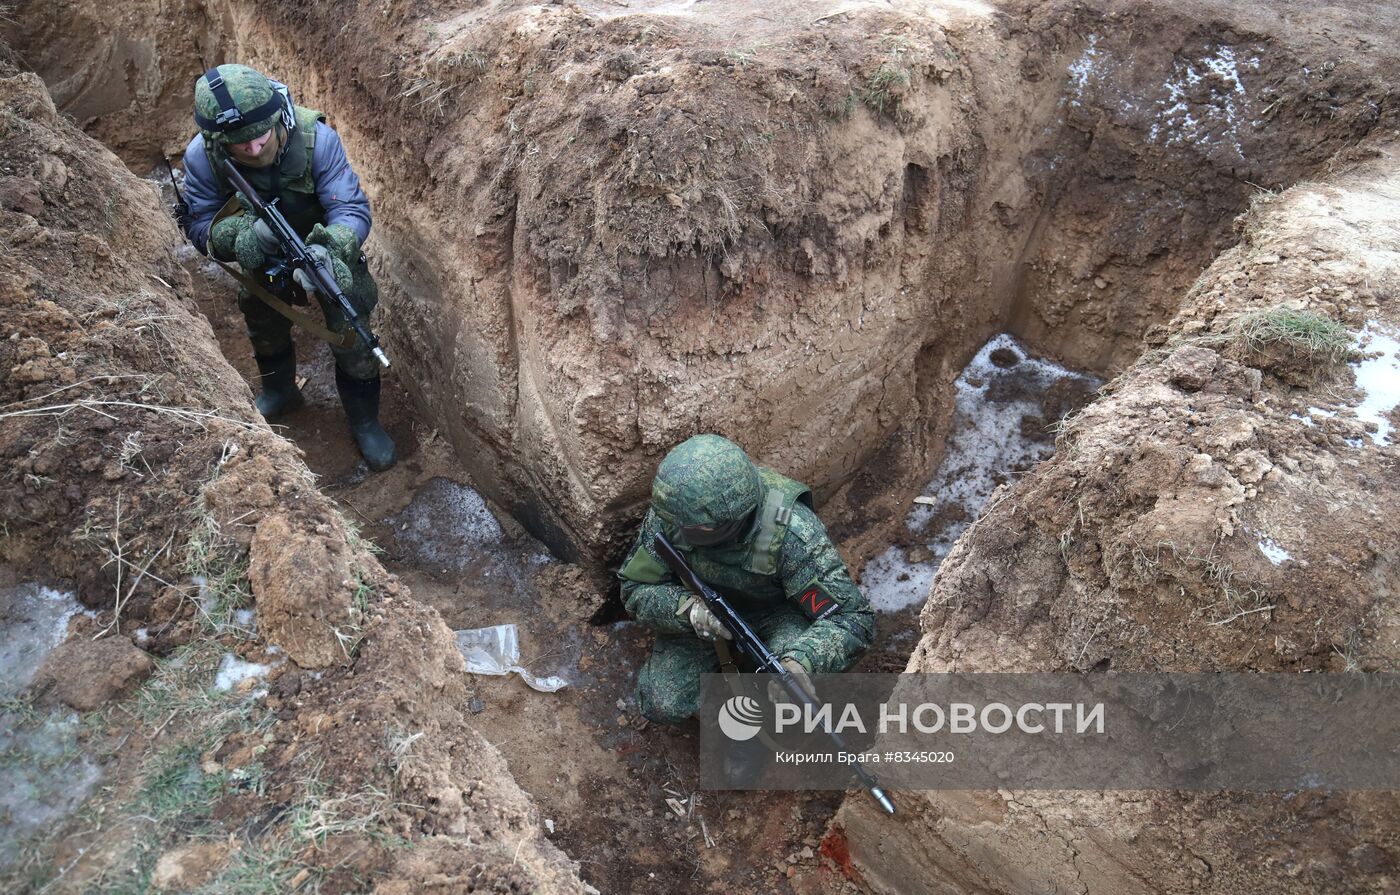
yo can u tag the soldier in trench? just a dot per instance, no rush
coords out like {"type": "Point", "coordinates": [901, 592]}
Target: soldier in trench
{"type": "Point", "coordinates": [751, 534]}
{"type": "Point", "coordinates": [288, 153]}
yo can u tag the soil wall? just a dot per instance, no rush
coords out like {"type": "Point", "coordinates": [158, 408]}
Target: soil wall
{"type": "Point", "coordinates": [602, 232]}
{"type": "Point", "coordinates": [131, 455]}
{"type": "Point", "coordinates": [1227, 505]}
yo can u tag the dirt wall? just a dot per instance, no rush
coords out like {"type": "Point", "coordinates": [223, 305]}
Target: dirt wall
{"type": "Point", "coordinates": [1226, 506]}
{"type": "Point", "coordinates": [132, 455]}
{"type": "Point", "coordinates": [604, 229]}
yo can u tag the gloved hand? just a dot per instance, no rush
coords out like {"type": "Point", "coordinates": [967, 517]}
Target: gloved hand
{"type": "Point", "coordinates": [251, 246]}
{"type": "Point", "coordinates": [266, 240]}
{"type": "Point", "coordinates": [706, 626]}
{"type": "Point", "coordinates": [223, 236]}
{"type": "Point", "coordinates": [340, 239]}
{"type": "Point", "coordinates": [778, 693]}
{"type": "Point", "coordinates": [343, 277]}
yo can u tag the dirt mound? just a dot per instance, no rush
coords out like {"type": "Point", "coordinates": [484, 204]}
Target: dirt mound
{"type": "Point", "coordinates": [136, 467]}
{"type": "Point", "coordinates": [1224, 507]}
{"type": "Point", "coordinates": [601, 230]}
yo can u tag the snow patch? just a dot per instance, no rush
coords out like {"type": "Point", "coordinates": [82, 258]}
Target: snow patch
{"type": "Point", "coordinates": [1378, 379]}
{"type": "Point", "coordinates": [1204, 101]}
{"type": "Point", "coordinates": [998, 400]}
{"type": "Point", "coordinates": [247, 619]}
{"type": "Point", "coordinates": [234, 671]}
{"type": "Point", "coordinates": [1273, 551]}
{"type": "Point", "coordinates": [1085, 70]}
{"type": "Point", "coordinates": [35, 619]}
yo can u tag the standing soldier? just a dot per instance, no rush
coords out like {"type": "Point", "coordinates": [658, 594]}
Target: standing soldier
{"type": "Point", "coordinates": [751, 534]}
{"type": "Point", "coordinates": [289, 154]}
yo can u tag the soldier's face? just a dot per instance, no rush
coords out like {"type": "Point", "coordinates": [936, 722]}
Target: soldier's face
{"type": "Point", "coordinates": [259, 152]}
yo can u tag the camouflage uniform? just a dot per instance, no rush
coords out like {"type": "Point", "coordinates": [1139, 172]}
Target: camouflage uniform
{"type": "Point", "coordinates": [783, 574]}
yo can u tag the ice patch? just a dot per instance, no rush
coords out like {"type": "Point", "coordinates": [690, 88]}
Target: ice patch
{"type": "Point", "coordinates": [1378, 380]}
{"type": "Point", "coordinates": [447, 525]}
{"type": "Point", "coordinates": [35, 620]}
{"type": "Point", "coordinates": [996, 421]}
{"type": "Point", "coordinates": [1273, 551]}
{"type": "Point", "coordinates": [234, 671]}
{"type": "Point", "coordinates": [44, 776]}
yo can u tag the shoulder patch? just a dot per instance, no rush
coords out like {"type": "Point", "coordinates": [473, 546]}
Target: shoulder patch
{"type": "Point", "coordinates": [816, 602]}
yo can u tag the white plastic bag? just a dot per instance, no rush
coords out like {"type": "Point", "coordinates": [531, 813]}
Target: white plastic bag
{"type": "Point", "coordinates": [496, 651]}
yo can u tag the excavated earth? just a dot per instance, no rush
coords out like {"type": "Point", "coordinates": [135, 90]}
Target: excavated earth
{"type": "Point", "coordinates": [602, 227]}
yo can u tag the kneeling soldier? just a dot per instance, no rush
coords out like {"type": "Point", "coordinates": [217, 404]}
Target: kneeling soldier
{"type": "Point", "coordinates": [751, 534]}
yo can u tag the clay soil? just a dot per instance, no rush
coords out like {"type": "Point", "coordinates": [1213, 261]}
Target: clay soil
{"type": "Point", "coordinates": [603, 227]}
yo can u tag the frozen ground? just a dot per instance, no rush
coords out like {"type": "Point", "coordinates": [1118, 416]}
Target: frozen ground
{"type": "Point", "coordinates": [1000, 428]}
{"type": "Point", "coordinates": [1378, 379]}
{"type": "Point", "coordinates": [43, 773]}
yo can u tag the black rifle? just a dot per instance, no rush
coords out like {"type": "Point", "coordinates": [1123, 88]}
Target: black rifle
{"type": "Point", "coordinates": [751, 645]}
{"type": "Point", "coordinates": [181, 207]}
{"type": "Point", "coordinates": [301, 258]}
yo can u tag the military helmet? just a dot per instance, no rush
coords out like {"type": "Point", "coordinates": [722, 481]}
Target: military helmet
{"type": "Point", "coordinates": [706, 490]}
{"type": "Point", "coordinates": [235, 104]}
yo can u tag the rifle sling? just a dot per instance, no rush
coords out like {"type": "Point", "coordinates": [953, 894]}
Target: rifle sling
{"type": "Point", "coordinates": [338, 340]}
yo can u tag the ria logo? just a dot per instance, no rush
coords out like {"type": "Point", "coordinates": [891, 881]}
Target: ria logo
{"type": "Point", "coordinates": [741, 718]}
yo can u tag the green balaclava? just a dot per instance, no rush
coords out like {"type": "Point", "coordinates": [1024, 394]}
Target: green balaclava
{"type": "Point", "coordinates": [706, 490]}
{"type": "Point", "coordinates": [235, 104]}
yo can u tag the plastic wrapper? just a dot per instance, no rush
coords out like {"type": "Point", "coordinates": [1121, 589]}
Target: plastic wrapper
{"type": "Point", "coordinates": [496, 651]}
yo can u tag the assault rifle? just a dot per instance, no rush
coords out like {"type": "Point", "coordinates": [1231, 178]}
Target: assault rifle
{"type": "Point", "coordinates": [301, 258]}
{"type": "Point", "coordinates": [752, 646]}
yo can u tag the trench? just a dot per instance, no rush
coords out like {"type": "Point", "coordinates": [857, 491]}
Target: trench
{"type": "Point", "coordinates": [477, 514]}
{"type": "Point", "coordinates": [603, 778]}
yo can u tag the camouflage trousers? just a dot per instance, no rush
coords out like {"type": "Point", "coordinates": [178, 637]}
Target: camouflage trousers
{"type": "Point", "coordinates": [668, 686]}
{"type": "Point", "coordinates": [271, 333]}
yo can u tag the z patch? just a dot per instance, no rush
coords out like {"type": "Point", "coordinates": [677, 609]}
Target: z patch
{"type": "Point", "coordinates": [816, 603]}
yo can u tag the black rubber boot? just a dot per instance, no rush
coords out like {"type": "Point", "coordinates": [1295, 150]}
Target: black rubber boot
{"type": "Point", "coordinates": [360, 397]}
{"type": "Point", "coordinates": [278, 393]}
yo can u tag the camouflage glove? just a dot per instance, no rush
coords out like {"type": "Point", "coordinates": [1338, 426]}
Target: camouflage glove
{"type": "Point", "coordinates": [706, 626]}
{"type": "Point", "coordinates": [250, 248]}
{"type": "Point", "coordinates": [340, 239]}
{"type": "Point", "coordinates": [343, 278]}
{"type": "Point", "coordinates": [778, 693]}
{"type": "Point", "coordinates": [224, 235]}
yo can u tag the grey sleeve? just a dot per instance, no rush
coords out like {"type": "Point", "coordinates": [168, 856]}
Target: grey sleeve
{"type": "Point", "coordinates": [337, 185]}
{"type": "Point", "coordinates": [202, 192]}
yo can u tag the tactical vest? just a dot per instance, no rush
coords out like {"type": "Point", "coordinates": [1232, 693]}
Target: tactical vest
{"type": "Point", "coordinates": [290, 181]}
{"type": "Point", "coordinates": [781, 494]}
{"type": "Point", "coordinates": [757, 555]}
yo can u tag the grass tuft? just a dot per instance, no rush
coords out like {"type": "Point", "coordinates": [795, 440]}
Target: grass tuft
{"type": "Point", "coordinates": [1305, 333]}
